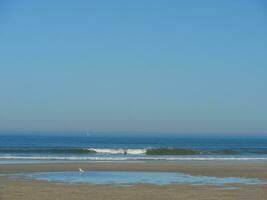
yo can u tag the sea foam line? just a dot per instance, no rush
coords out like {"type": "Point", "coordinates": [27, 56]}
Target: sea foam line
{"type": "Point", "coordinates": [119, 151]}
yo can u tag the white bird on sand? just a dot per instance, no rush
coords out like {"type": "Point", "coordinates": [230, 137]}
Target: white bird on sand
{"type": "Point", "coordinates": [81, 170]}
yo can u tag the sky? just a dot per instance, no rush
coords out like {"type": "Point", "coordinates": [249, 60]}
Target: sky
{"type": "Point", "coordinates": [134, 66]}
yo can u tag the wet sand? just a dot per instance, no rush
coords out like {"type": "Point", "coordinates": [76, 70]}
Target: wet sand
{"type": "Point", "coordinates": [13, 189]}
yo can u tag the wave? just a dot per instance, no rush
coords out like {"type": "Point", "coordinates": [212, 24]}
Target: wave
{"type": "Point", "coordinates": [47, 150]}
{"type": "Point", "coordinates": [119, 151]}
{"type": "Point", "coordinates": [72, 158]}
{"type": "Point", "coordinates": [125, 151]}
{"type": "Point", "coordinates": [260, 151]}
{"type": "Point", "coordinates": [73, 150]}
{"type": "Point", "coordinates": [173, 151]}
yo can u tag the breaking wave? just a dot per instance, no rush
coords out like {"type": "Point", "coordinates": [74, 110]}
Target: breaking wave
{"type": "Point", "coordinates": [130, 151]}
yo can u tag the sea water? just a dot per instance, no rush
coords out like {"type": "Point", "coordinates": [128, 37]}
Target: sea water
{"type": "Point", "coordinates": [129, 178]}
{"type": "Point", "coordinates": [50, 147]}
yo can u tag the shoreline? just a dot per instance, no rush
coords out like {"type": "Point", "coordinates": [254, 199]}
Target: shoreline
{"type": "Point", "coordinates": [220, 169]}
{"type": "Point", "coordinates": [24, 189]}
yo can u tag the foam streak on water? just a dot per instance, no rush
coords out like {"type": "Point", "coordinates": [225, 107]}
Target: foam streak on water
{"type": "Point", "coordinates": [133, 158]}
{"type": "Point", "coordinates": [118, 151]}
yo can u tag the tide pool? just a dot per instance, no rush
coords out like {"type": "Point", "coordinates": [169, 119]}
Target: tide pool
{"type": "Point", "coordinates": [129, 178]}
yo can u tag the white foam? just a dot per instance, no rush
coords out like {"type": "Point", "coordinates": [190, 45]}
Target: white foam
{"type": "Point", "coordinates": [136, 151]}
{"type": "Point", "coordinates": [118, 151]}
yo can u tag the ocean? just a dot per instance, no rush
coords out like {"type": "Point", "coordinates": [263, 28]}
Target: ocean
{"type": "Point", "coordinates": [124, 147]}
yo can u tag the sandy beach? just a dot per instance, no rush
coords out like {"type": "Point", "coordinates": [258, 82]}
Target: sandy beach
{"type": "Point", "coordinates": [13, 189]}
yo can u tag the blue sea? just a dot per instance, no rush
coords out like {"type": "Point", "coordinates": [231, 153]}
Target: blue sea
{"type": "Point", "coordinates": [128, 147]}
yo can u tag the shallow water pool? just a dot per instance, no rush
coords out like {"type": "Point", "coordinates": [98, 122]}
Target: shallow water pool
{"type": "Point", "coordinates": [125, 178]}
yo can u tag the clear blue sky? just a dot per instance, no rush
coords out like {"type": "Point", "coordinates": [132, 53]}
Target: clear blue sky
{"type": "Point", "coordinates": [148, 66]}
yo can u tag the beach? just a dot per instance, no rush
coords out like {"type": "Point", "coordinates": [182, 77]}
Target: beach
{"type": "Point", "coordinates": [25, 189]}
{"type": "Point", "coordinates": [120, 156]}
{"type": "Point", "coordinates": [133, 100]}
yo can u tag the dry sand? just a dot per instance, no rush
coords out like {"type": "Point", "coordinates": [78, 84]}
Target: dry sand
{"type": "Point", "coordinates": [14, 189]}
